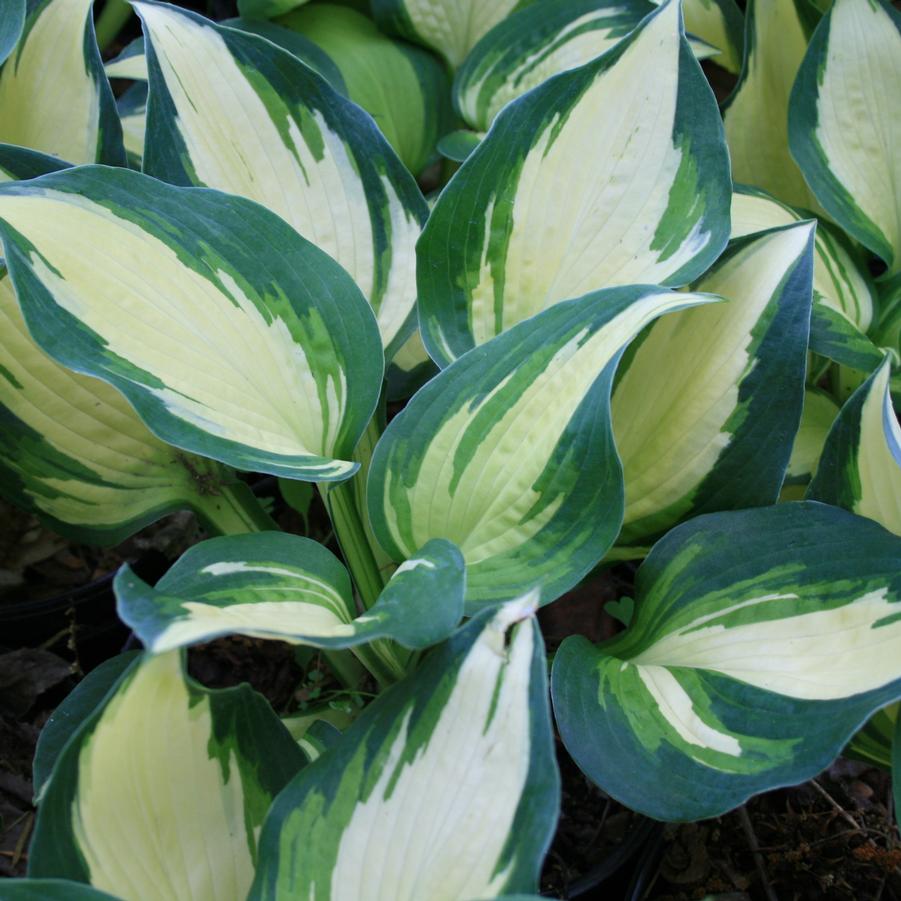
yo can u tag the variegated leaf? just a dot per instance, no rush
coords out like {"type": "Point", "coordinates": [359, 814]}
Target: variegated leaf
{"type": "Point", "coordinates": [706, 408]}
{"type": "Point", "coordinates": [860, 468]}
{"type": "Point", "coordinates": [817, 417]}
{"type": "Point", "coordinates": [445, 788]}
{"type": "Point", "coordinates": [283, 587]}
{"type": "Point", "coordinates": [840, 278]}
{"type": "Point", "coordinates": [132, 108]}
{"type": "Point", "coordinates": [599, 177]}
{"type": "Point", "coordinates": [11, 26]}
{"type": "Point", "coordinates": [20, 163]}
{"type": "Point", "coordinates": [756, 114]}
{"type": "Point", "coordinates": [761, 640]}
{"type": "Point", "coordinates": [451, 27]}
{"type": "Point", "coordinates": [231, 111]}
{"type": "Point", "coordinates": [264, 360]}
{"type": "Point", "coordinates": [505, 450]}
{"type": "Point", "coordinates": [130, 64]}
{"type": "Point", "coordinates": [54, 96]}
{"type": "Point", "coordinates": [718, 23]}
{"type": "Point", "coordinates": [835, 337]}
{"type": "Point", "coordinates": [845, 122]}
{"type": "Point", "coordinates": [404, 88]}
{"type": "Point", "coordinates": [873, 744]}
{"type": "Point", "coordinates": [162, 791]}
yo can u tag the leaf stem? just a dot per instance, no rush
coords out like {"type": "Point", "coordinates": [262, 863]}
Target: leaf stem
{"type": "Point", "coordinates": [233, 510]}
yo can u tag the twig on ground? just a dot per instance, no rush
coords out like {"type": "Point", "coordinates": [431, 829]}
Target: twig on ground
{"type": "Point", "coordinates": [755, 851]}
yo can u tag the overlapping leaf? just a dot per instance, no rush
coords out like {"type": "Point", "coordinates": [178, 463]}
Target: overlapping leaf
{"type": "Point", "coordinates": [54, 96]}
{"type": "Point", "coordinates": [613, 173]}
{"type": "Point", "coordinates": [706, 408]}
{"type": "Point", "coordinates": [756, 114]}
{"type": "Point", "coordinates": [719, 23]}
{"type": "Point", "coordinates": [844, 123]}
{"type": "Point", "coordinates": [761, 640]}
{"type": "Point", "coordinates": [860, 469]}
{"type": "Point", "coordinates": [505, 450]}
{"type": "Point", "coordinates": [11, 26]}
{"type": "Point", "coordinates": [817, 417]}
{"type": "Point", "coordinates": [231, 111]}
{"type": "Point", "coordinates": [272, 585]}
{"type": "Point", "coordinates": [874, 742]}
{"type": "Point", "coordinates": [163, 790]}
{"type": "Point", "coordinates": [445, 788]}
{"type": "Point", "coordinates": [267, 361]}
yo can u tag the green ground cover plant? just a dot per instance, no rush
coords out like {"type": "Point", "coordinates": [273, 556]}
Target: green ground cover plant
{"type": "Point", "coordinates": [627, 324]}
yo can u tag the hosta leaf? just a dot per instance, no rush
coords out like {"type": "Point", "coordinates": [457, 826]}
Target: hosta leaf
{"type": "Point", "coordinates": [817, 417]}
{"type": "Point", "coordinates": [860, 469]}
{"type": "Point", "coordinates": [761, 640]}
{"type": "Point", "coordinates": [68, 717]}
{"type": "Point", "coordinates": [270, 585]}
{"type": "Point", "coordinates": [874, 742]}
{"type": "Point", "coordinates": [719, 23]}
{"type": "Point", "coordinates": [505, 450]}
{"type": "Point", "coordinates": [705, 411]}
{"type": "Point", "coordinates": [845, 124]}
{"type": "Point", "coordinates": [131, 63]}
{"type": "Point", "coordinates": [445, 788]}
{"type": "Point", "coordinates": [50, 890]}
{"type": "Point", "coordinates": [232, 111]}
{"type": "Point", "coordinates": [163, 790]}
{"type": "Point", "coordinates": [534, 43]}
{"type": "Point", "coordinates": [834, 336]}
{"type": "Point", "coordinates": [54, 96]}
{"type": "Point", "coordinates": [119, 275]}
{"type": "Point", "coordinates": [840, 279]}
{"type": "Point", "coordinates": [20, 163]}
{"type": "Point", "coordinates": [404, 88]}
{"type": "Point", "coordinates": [452, 27]}
{"type": "Point", "coordinates": [11, 26]}
{"type": "Point", "coordinates": [756, 115]}
{"type": "Point", "coordinates": [267, 9]}
{"type": "Point", "coordinates": [132, 108]}
{"type": "Point", "coordinates": [599, 177]}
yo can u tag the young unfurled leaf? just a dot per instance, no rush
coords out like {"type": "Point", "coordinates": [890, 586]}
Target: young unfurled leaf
{"type": "Point", "coordinates": [845, 122]}
{"type": "Point", "coordinates": [840, 279]}
{"type": "Point", "coordinates": [445, 788]}
{"type": "Point", "coordinates": [163, 790]}
{"type": "Point", "coordinates": [817, 417]}
{"type": "Point", "coordinates": [761, 640]}
{"type": "Point", "coordinates": [860, 468]}
{"type": "Point", "coordinates": [271, 585]}
{"type": "Point", "coordinates": [706, 408]}
{"type": "Point", "coordinates": [756, 114]}
{"type": "Point", "coordinates": [404, 88]}
{"type": "Point", "coordinates": [719, 23]}
{"type": "Point", "coordinates": [231, 111]}
{"type": "Point", "coordinates": [265, 359]}
{"type": "Point", "coordinates": [54, 96]}
{"type": "Point", "coordinates": [599, 177]}
{"type": "Point", "coordinates": [452, 27]}
{"type": "Point", "coordinates": [509, 453]}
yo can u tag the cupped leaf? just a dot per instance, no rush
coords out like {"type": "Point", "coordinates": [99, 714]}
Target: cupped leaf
{"type": "Point", "coordinates": [756, 114]}
{"type": "Point", "coordinates": [528, 47]}
{"type": "Point", "coordinates": [613, 173]}
{"type": "Point", "coordinates": [451, 27]}
{"type": "Point", "coordinates": [860, 468]}
{"type": "Point", "coordinates": [445, 788]}
{"type": "Point", "coordinates": [706, 408]}
{"type": "Point", "coordinates": [404, 88]}
{"type": "Point", "coordinates": [11, 26]}
{"type": "Point", "coordinates": [163, 790]}
{"type": "Point", "coordinates": [68, 717]}
{"type": "Point", "coordinates": [817, 417]}
{"type": "Point", "coordinates": [232, 336]}
{"type": "Point", "coordinates": [845, 122]}
{"type": "Point", "coordinates": [761, 640]}
{"type": "Point", "coordinates": [50, 890]}
{"type": "Point", "coordinates": [54, 96]}
{"type": "Point", "coordinates": [231, 111]}
{"type": "Point", "coordinates": [509, 453]}
{"type": "Point", "coordinates": [719, 23]}
{"type": "Point", "coordinates": [840, 278]}
{"type": "Point", "coordinates": [283, 587]}
{"type": "Point", "coordinates": [873, 744]}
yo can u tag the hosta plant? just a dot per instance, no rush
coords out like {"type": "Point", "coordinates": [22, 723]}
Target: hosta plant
{"type": "Point", "coordinates": [621, 331]}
